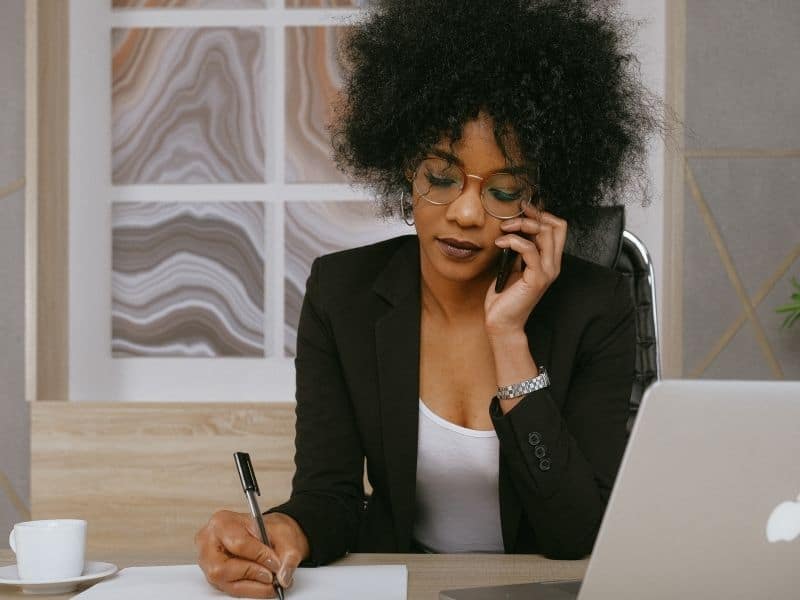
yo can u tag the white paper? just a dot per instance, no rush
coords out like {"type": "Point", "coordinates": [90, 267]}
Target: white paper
{"type": "Point", "coordinates": [387, 582]}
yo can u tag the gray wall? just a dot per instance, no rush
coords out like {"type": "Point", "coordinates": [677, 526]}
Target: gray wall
{"type": "Point", "coordinates": [742, 219]}
{"type": "Point", "coordinates": [14, 430]}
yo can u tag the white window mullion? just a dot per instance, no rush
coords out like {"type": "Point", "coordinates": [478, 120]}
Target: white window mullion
{"type": "Point", "coordinates": [235, 192]}
{"type": "Point", "coordinates": [269, 17]}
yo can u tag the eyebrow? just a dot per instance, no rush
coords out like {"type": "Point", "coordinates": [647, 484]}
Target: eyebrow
{"type": "Point", "coordinates": [448, 156]}
{"type": "Point", "coordinates": [514, 170]}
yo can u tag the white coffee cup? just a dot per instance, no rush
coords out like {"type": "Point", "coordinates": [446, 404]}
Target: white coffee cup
{"type": "Point", "coordinates": [49, 550]}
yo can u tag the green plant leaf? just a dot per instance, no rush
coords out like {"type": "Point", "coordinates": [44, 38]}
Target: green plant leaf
{"type": "Point", "coordinates": [792, 308]}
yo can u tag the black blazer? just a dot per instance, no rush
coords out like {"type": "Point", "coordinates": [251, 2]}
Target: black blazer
{"type": "Point", "coordinates": [358, 392]}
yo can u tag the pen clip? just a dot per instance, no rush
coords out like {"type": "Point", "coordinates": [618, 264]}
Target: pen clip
{"type": "Point", "coordinates": [246, 474]}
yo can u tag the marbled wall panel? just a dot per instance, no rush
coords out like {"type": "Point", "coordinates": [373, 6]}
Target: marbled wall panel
{"type": "Point", "coordinates": [187, 105]}
{"type": "Point", "coordinates": [188, 279]}
{"type": "Point", "coordinates": [313, 76]}
{"type": "Point", "coordinates": [189, 3]}
{"type": "Point", "coordinates": [316, 228]}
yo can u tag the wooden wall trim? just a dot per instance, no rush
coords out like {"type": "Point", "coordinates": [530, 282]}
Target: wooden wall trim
{"type": "Point", "coordinates": [672, 319]}
{"type": "Point", "coordinates": [161, 468]}
{"type": "Point", "coordinates": [52, 196]}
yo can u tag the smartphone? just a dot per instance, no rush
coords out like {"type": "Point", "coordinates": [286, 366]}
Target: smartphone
{"type": "Point", "coordinates": [507, 259]}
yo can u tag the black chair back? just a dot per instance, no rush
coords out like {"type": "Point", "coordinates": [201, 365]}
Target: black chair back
{"type": "Point", "coordinates": [606, 243]}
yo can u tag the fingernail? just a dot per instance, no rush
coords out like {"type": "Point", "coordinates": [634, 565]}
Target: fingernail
{"type": "Point", "coordinates": [265, 576]}
{"type": "Point", "coordinates": [285, 577]}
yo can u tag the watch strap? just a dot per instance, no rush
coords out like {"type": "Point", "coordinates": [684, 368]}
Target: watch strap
{"type": "Point", "coordinates": [541, 381]}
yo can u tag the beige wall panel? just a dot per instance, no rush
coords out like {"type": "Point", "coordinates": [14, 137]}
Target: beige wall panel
{"type": "Point", "coordinates": [147, 476]}
{"type": "Point", "coordinates": [14, 458]}
{"type": "Point", "coordinates": [671, 344]}
{"type": "Point", "coordinates": [742, 77]}
{"type": "Point", "coordinates": [12, 95]}
{"type": "Point", "coordinates": [53, 202]}
{"type": "Point", "coordinates": [13, 408]}
{"type": "Point", "coordinates": [741, 214]}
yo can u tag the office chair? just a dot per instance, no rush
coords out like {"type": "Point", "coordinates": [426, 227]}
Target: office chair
{"type": "Point", "coordinates": [606, 242]}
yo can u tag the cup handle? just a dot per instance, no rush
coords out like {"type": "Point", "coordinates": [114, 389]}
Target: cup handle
{"type": "Point", "coordinates": [11, 541]}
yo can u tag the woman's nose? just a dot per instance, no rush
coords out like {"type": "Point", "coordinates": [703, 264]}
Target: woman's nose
{"type": "Point", "coordinates": [467, 208]}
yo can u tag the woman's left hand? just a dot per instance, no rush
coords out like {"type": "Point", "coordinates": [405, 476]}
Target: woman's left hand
{"type": "Point", "coordinates": [507, 312]}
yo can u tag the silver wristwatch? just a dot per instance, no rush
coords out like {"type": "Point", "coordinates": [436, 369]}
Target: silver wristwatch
{"type": "Point", "coordinates": [524, 387]}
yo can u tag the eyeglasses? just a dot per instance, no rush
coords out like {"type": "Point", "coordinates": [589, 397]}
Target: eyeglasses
{"type": "Point", "coordinates": [503, 195]}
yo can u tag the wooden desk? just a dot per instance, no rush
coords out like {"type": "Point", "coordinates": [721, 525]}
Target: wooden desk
{"type": "Point", "coordinates": [427, 574]}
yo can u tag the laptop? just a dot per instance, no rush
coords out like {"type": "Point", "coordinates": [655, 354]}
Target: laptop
{"type": "Point", "coordinates": [706, 502]}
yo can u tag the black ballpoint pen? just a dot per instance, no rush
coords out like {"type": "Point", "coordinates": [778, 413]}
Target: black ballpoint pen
{"type": "Point", "coordinates": [250, 486]}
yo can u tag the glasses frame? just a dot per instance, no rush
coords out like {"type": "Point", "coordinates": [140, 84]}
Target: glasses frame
{"type": "Point", "coordinates": [528, 202]}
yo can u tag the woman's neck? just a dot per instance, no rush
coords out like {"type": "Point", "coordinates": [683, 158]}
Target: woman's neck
{"type": "Point", "coordinates": [452, 300]}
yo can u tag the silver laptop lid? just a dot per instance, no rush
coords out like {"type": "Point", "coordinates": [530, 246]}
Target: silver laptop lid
{"type": "Point", "coordinates": [708, 466]}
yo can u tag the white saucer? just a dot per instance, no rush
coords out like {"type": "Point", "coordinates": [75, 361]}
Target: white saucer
{"type": "Point", "coordinates": [93, 571]}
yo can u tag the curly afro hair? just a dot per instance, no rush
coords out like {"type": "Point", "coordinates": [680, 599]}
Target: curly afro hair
{"type": "Point", "coordinates": [556, 76]}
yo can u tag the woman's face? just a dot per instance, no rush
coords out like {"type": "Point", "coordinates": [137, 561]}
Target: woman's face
{"type": "Point", "coordinates": [445, 231]}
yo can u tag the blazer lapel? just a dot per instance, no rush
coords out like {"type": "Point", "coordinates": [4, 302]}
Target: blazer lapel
{"type": "Point", "coordinates": [539, 332]}
{"type": "Point", "coordinates": [397, 339]}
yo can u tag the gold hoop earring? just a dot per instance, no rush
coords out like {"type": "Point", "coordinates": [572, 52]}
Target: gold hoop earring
{"type": "Point", "coordinates": [409, 222]}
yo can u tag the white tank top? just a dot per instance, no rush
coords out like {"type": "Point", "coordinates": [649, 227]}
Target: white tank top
{"type": "Point", "coordinates": [457, 500]}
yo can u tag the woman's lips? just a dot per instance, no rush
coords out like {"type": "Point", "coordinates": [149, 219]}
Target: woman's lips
{"type": "Point", "coordinates": [450, 250]}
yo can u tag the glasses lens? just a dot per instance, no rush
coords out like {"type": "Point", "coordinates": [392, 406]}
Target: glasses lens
{"type": "Point", "coordinates": [504, 194]}
{"type": "Point", "coordinates": [438, 181]}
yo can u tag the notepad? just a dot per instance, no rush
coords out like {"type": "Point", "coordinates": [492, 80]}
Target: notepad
{"type": "Point", "coordinates": [387, 582]}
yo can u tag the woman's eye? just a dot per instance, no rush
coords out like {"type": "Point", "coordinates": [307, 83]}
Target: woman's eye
{"type": "Point", "coordinates": [506, 195]}
{"type": "Point", "coordinates": [439, 181]}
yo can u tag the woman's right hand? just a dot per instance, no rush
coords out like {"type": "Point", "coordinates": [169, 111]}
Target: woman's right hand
{"type": "Point", "coordinates": [235, 561]}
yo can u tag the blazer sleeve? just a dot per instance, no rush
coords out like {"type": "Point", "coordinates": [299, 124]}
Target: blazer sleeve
{"type": "Point", "coordinates": [327, 488]}
{"type": "Point", "coordinates": [564, 465]}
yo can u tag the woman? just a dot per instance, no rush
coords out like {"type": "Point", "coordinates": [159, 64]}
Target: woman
{"type": "Point", "coordinates": [489, 126]}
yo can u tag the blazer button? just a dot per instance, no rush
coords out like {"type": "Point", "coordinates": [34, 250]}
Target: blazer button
{"type": "Point", "coordinates": [540, 451]}
{"type": "Point", "coordinates": [544, 464]}
{"type": "Point", "coordinates": [534, 438]}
